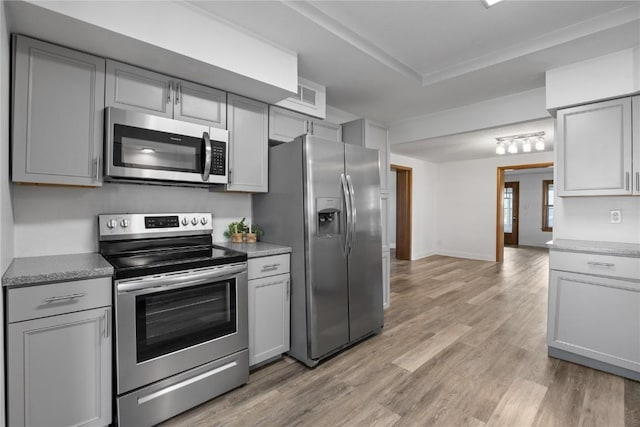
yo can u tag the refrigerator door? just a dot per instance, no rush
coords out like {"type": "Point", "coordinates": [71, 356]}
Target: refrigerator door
{"type": "Point", "coordinates": [365, 259]}
{"type": "Point", "coordinates": [327, 286]}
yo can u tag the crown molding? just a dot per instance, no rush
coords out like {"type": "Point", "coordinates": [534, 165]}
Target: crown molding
{"type": "Point", "coordinates": [585, 28]}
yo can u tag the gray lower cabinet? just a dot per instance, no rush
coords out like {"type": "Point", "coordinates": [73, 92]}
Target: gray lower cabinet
{"type": "Point", "coordinates": [594, 311]}
{"type": "Point", "coordinates": [59, 366]}
{"type": "Point", "coordinates": [286, 125]}
{"type": "Point", "coordinates": [248, 122]}
{"type": "Point", "coordinates": [58, 101]}
{"type": "Point", "coordinates": [137, 89]}
{"type": "Point", "coordinates": [269, 307]}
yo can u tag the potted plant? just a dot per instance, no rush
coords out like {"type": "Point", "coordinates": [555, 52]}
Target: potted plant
{"type": "Point", "coordinates": [235, 231]}
{"type": "Point", "coordinates": [253, 233]}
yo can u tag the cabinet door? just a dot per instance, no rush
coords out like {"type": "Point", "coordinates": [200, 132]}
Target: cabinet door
{"type": "Point", "coordinates": [595, 317]}
{"type": "Point", "coordinates": [59, 370]}
{"type": "Point", "coordinates": [376, 137]}
{"type": "Point", "coordinates": [386, 278]}
{"type": "Point", "coordinates": [248, 145]}
{"type": "Point", "coordinates": [200, 104]}
{"type": "Point", "coordinates": [326, 130]}
{"type": "Point", "coordinates": [58, 99]}
{"type": "Point", "coordinates": [594, 149]}
{"type": "Point", "coordinates": [134, 88]}
{"type": "Point", "coordinates": [285, 125]}
{"type": "Point", "coordinates": [268, 317]}
{"type": "Point", "coordinates": [635, 110]}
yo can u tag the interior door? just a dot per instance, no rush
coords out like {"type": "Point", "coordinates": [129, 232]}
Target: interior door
{"type": "Point", "coordinates": [365, 258]}
{"type": "Point", "coordinates": [510, 203]}
{"type": "Point", "coordinates": [327, 290]}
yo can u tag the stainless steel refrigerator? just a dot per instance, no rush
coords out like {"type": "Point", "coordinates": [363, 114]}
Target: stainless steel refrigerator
{"type": "Point", "coordinates": [324, 202]}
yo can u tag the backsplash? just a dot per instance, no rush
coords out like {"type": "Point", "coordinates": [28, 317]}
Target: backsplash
{"type": "Point", "coordinates": [59, 220]}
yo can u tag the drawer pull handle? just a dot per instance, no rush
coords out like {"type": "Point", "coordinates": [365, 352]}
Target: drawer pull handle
{"type": "Point", "coordinates": [601, 264]}
{"type": "Point", "coordinates": [270, 267]}
{"type": "Point", "coordinates": [63, 297]}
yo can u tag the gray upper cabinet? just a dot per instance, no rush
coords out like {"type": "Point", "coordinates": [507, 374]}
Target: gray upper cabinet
{"type": "Point", "coordinates": [134, 88]}
{"type": "Point", "coordinates": [595, 134]}
{"type": "Point", "coordinates": [248, 144]}
{"type": "Point", "coordinates": [285, 126]}
{"type": "Point", "coordinates": [370, 134]}
{"type": "Point", "coordinates": [58, 97]}
{"type": "Point", "coordinates": [635, 109]}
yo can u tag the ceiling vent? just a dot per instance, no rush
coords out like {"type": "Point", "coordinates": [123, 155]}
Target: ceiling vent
{"type": "Point", "coordinates": [310, 100]}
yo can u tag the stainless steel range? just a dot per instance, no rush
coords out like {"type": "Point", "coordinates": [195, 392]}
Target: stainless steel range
{"type": "Point", "coordinates": [181, 334]}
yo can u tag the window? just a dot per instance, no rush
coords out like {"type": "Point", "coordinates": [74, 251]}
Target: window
{"type": "Point", "coordinates": [547, 205]}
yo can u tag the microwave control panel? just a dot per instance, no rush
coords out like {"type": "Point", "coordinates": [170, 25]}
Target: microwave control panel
{"type": "Point", "coordinates": [218, 158]}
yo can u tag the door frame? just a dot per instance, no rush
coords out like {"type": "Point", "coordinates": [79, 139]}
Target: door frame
{"type": "Point", "coordinates": [403, 207]}
{"type": "Point", "coordinates": [499, 205]}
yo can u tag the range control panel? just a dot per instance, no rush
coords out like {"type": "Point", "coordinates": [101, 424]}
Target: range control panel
{"type": "Point", "coordinates": [130, 226]}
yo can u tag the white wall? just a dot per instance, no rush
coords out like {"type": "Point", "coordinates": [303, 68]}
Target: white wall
{"type": "Point", "coordinates": [530, 208]}
{"type": "Point", "coordinates": [466, 204]}
{"type": "Point", "coordinates": [391, 223]}
{"type": "Point", "coordinates": [59, 220]}
{"type": "Point", "coordinates": [6, 212]}
{"type": "Point", "coordinates": [423, 194]}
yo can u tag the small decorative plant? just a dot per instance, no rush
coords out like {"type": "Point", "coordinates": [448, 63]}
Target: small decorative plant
{"type": "Point", "coordinates": [238, 231]}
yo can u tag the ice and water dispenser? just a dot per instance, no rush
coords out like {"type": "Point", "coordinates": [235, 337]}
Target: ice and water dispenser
{"type": "Point", "coordinates": [328, 211]}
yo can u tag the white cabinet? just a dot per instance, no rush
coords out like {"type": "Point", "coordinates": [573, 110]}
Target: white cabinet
{"type": "Point", "coordinates": [367, 133]}
{"type": "Point", "coordinates": [248, 144]}
{"type": "Point", "coordinates": [386, 250]}
{"type": "Point", "coordinates": [59, 366]}
{"type": "Point", "coordinates": [58, 101]}
{"type": "Point", "coordinates": [635, 111]}
{"type": "Point", "coordinates": [594, 149]}
{"type": "Point", "coordinates": [269, 307]}
{"type": "Point", "coordinates": [594, 310]}
{"type": "Point", "coordinates": [285, 126]}
{"type": "Point", "coordinates": [134, 88]}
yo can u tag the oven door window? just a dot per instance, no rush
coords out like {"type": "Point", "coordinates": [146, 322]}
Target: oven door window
{"type": "Point", "coordinates": [149, 149]}
{"type": "Point", "coordinates": [173, 320]}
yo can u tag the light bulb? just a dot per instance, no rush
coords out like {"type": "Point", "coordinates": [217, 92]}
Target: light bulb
{"type": "Point", "coordinates": [500, 150]}
{"type": "Point", "coordinates": [513, 147]}
{"type": "Point", "coordinates": [147, 150]}
{"type": "Point", "coordinates": [540, 143]}
{"type": "Point", "coordinates": [526, 146]}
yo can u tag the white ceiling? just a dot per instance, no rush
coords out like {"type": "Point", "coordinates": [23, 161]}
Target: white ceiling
{"type": "Point", "coordinates": [392, 60]}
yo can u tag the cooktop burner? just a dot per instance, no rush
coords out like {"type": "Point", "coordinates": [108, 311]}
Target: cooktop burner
{"type": "Point", "coordinates": [142, 250]}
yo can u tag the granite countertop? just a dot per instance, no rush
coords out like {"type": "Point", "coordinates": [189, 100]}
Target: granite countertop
{"type": "Point", "coordinates": [256, 250]}
{"type": "Point", "coordinates": [631, 250]}
{"type": "Point", "coordinates": [55, 268]}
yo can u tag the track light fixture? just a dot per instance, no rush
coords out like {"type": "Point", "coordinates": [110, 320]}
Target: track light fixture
{"type": "Point", "coordinates": [512, 144]}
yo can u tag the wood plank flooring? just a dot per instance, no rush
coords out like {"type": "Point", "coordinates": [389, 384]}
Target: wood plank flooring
{"type": "Point", "coordinates": [463, 345]}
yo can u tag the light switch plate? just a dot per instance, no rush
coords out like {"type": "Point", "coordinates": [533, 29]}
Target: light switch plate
{"type": "Point", "coordinates": [615, 216]}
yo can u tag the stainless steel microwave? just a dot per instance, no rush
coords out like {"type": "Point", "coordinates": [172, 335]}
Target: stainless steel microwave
{"type": "Point", "coordinates": [143, 147]}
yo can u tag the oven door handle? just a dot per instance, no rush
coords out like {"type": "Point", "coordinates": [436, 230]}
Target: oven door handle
{"type": "Point", "coordinates": [181, 280]}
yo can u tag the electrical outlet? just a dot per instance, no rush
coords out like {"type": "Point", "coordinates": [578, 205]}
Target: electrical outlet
{"type": "Point", "coordinates": [615, 217]}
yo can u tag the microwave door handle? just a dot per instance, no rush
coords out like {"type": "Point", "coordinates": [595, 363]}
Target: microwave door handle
{"type": "Point", "coordinates": [207, 156]}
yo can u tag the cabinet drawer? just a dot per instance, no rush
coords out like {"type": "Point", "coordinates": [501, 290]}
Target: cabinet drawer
{"type": "Point", "coordinates": [57, 298]}
{"type": "Point", "coordinates": [268, 266]}
{"type": "Point", "coordinates": [599, 265]}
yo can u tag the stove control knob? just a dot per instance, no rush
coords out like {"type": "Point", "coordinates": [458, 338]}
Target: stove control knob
{"type": "Point", "coordinates": [194, 221]}
{"type": "Point", "coordinates": [185, 221]}
{"type": "Point", "coordinates": [111, 224]}
{"type": "Point", "coordinates": [124, 223]}
{"type": "Point", "coordinates": [203, 221]}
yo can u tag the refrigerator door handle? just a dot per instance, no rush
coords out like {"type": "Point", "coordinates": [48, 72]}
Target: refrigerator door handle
{"type": "Point", "coordinates": [347, 204]}
{"type": "Point", "coordinates": [352, 202]}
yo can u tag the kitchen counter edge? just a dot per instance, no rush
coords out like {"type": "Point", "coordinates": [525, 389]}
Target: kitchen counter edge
{"type": "Point", "coordinates": [256, 250]}
{"type": "Point", "coordinates": [40, 270]}
{"type": "Point", "coordinates": [631, 250]}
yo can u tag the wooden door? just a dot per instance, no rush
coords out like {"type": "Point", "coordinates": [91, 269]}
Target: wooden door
{"type": "Point", "coordinates": [510, 202]}
{"type": "Point", "coordinates": [403, 212]}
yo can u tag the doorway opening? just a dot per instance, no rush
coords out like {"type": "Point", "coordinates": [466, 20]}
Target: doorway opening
{"type": "Point", "coordinates": [404, 184]}
{"type": "Point", "coordinates": [500, 203]}
{"type": "Point", "coordinates": [511, 212]}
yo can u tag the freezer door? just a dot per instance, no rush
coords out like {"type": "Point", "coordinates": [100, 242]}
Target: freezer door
{"type": "Point", "coordinates": [327, 290]}
{"type": "Point", "coordinates": [365, 259]}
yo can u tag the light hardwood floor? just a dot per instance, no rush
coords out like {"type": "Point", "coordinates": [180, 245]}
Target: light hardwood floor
{"type": "Point", "coordinates": [463, 345]}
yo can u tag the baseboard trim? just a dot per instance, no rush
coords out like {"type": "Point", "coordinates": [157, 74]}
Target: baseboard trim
{"type": "Point", "coordinates": [422, 254]}
{"type": "Point", "coordinates": [592, 363]}
{"type": "Point", "coordinates": [467, 255]}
